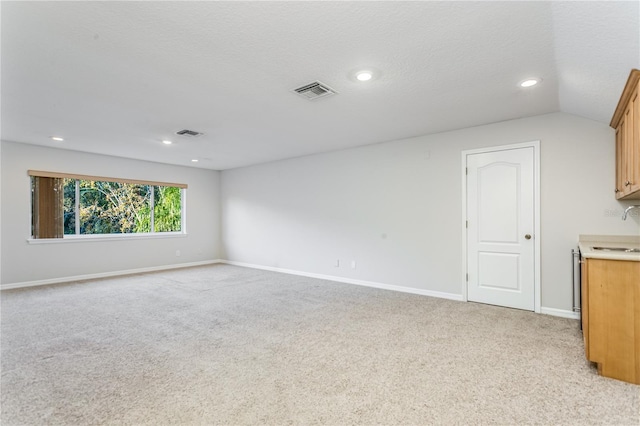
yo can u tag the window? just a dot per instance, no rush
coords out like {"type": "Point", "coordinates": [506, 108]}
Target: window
{"type": "Point", "coordinates": [75, 205]}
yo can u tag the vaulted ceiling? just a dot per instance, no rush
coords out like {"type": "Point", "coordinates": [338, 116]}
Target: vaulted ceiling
{"type": "Point", "coordinates": [118, 78]}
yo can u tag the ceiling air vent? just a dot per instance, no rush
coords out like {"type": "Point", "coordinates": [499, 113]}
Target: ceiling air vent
{"type": "Point", "coordinates": [189, 133]}
{"type": "Point", "coordinates": [314, 90]}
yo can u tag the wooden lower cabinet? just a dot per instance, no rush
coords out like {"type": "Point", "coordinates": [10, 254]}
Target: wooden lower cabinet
{"type": "Point", "coordinates": [611, 317]}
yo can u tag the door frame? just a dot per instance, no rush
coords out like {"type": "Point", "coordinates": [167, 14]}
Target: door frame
{"type": "Point", "coordinates": [536, 213]}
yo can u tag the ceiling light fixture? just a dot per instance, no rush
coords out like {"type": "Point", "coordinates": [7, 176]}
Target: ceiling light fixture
{"type": "Point", "coordinates": [364, 75]}
{"type": "Point", "coordinates": [195, 160]}
{"type": "Point", "coordinates": [530, 82]}
{"type": "Point", "coordinates": [57, 138]}
{"type": "Point", "coordinates": [167, 142]}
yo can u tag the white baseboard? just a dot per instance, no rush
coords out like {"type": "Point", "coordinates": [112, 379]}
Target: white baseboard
{"type": "Point", "coordinates": [560, 313]}
{"type": "Point", "coordinates": [442, 295]}
{"type": "Point", "coordinates": [431, 293]}
{"type": "Point", "coordinates": [105, 274]}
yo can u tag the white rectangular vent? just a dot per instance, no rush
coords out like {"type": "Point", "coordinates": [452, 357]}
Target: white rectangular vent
{"type": "Point", "coordinates": [315, 90]}
{"type": "Point", "coordinates": [189, 133]}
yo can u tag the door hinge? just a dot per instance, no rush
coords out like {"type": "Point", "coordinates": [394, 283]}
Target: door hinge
{"type": "Point", "coordinates": [466, 224]}
{"type": "Point", "coordinates": [467, 277]}
{"type": "Point", "coordinates": [466, 170]}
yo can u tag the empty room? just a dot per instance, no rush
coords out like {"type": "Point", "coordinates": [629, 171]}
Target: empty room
{"type": "Point", "coordinates": [319, 212]}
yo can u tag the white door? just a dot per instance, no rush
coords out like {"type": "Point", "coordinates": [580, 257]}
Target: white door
{"type": "Point", "coordinates": [500, 228]}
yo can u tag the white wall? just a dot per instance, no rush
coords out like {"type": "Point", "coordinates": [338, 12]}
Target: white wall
{"type": "Point", "coordinates": [23, 262]}
{"type": "Point", "coordinates": [395, 208]}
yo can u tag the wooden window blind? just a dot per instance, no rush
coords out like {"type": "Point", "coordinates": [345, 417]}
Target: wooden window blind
{"type": "Point", "coordinates": [40, 173]}
{"type": "Point", "coordinates": [48, 208]}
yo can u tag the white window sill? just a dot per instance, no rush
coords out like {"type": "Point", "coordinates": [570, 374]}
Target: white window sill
{"type": "Point", "coordinates": [105, 237]}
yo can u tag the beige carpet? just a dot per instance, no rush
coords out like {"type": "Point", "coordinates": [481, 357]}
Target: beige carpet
{"type": "Point", "coordinates": [229, 345]}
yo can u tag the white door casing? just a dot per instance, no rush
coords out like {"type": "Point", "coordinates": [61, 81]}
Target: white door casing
{"type": "Point", "coordinates": [501, 205]}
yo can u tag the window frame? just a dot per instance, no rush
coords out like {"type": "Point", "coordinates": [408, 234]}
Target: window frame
{"type": "Point", "coordinates": [77, 237]}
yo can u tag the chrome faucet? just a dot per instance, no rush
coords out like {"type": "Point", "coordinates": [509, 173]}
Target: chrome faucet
{"type": "Point", "coordinates": [624, 215]}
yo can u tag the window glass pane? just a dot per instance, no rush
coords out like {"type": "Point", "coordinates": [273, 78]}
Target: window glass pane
{"type": "Point", "coordinates": [72, 205]}
{"type": "Point", "coordinates": [167, 209]}
{"type": "Point", "coordinates": [69, 206]}
{"type": "Point", "coordinates": [113, 208]}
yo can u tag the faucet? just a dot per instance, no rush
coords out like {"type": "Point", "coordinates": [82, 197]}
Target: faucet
{"type": "Point", "coordinates": [624, 215]}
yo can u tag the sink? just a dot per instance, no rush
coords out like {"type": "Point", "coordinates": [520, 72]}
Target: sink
{"type": "Point", "coordinates": [621, 249]}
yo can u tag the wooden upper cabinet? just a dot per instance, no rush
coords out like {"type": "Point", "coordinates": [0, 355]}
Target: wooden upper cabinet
{"type": "Point", "coordinates": [626, 121]}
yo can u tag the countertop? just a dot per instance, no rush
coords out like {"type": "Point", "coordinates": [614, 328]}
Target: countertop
{"type": "Point", "coordinates": [586, 243]}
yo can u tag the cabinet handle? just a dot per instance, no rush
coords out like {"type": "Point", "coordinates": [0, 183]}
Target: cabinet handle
{"type": "Point", "coordinates": [627, 183]}
{"type": "Point", "coordinates": [617, 190]}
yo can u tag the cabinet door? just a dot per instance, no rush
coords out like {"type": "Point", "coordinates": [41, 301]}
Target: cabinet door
{"type": "Point", "coordinates": [627, 146]}
{"type": "Point", "coordinates": [620, 156]}
{"type": "Point", "coordinates": [633, 141]}
{"type": "Point", "coordinates": [614, 317]}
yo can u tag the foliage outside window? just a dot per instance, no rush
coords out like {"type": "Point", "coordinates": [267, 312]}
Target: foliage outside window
{"type": "Point", "coordinates": [70, 205]}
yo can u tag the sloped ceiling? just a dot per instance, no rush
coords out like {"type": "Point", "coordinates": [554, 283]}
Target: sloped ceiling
{"type": "Point", "coordinates": [117, 78]}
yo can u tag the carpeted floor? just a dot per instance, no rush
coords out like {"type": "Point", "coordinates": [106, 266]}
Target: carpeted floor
{"type": "Point", "coordinates": [228, 345]}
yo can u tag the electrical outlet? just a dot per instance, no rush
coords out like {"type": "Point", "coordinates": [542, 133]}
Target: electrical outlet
{"type": "Point", "coordinates": [178, 253]}
{"type": "Point", "coordinates": [353, 264]}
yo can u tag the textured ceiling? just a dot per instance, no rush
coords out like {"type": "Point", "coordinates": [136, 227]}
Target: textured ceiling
{"type": "Point", "coordinates": [116, 78]}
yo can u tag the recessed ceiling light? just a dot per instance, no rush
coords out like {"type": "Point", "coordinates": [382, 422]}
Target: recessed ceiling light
{"type": "Point", "coordinates": [530, 82]}
{"type": "Point", "coordinates": [364, 75]}
{"type": "Point", "coordinates": [166, 142]}
{"type": "Point", "coordinates": [57, 138]}
{"type": "Point", "coordinates": [195, 160]}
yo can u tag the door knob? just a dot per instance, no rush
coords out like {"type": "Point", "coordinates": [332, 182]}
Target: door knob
{"type": "Point", "coordinates": [527, 237]}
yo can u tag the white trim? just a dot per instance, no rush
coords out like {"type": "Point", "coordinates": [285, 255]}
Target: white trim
{"type": "Point", "coordinates": [402, 289]}
{"type": "Point", "coordinates": [537, 228]}
{"type": "Point", "coordinates": [106, 274]}
{"type": "Point", "coordinates": [183, 213]}
{"type": "Point", "coordinates": [105, 237]}
{"type": "Point", "coordinates": [536, 235]}
{"type": "Point", "coordinates": [152, 209]}
{"type": "Point", "coordinates": [560, 313]}
{"type": "Point", "coordinates": [463, 268]}
{"type": "Point", "coordinates": [76, 208]}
